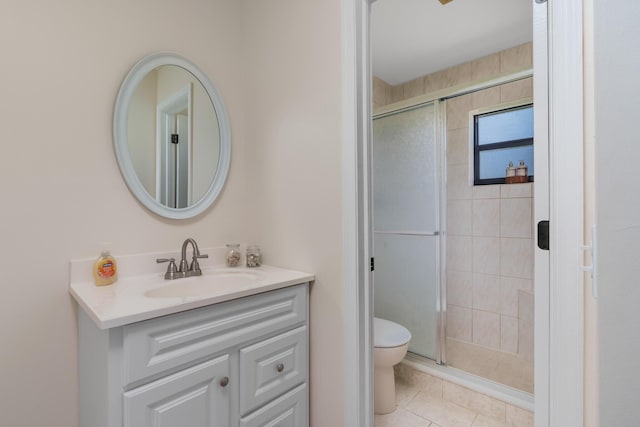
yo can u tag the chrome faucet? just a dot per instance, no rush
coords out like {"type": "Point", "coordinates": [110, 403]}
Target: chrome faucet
{"type": "Point", "coordinates": [185, 270]}
{"type": "Point", "coordinates": [194, 268]}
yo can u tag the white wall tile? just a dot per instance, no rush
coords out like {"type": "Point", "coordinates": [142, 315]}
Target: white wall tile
{"type": "Point", "coordinates": [486, 217]}
{"type": "Point", "coordinates": [397, 93]}
{"type": "Point", "coordinates": [459, 253]}
{"type": "Point", "coordinates": [458, 111]}
{"type": "Point", "coordinates": [486, 191]}
{"type": "Point", "coordinates": [458, 74]}
{"type": "Point", "coordinates": [459, 323]}
{"type": "Point", "coordinates": [486, 97]}
{"type": "Point", "coordinates": [458, 182]}
{"type": "Point", "coordinates": [516, 258]}
{"type": "Point", "coordinates": [458, 146]}
{"type": "Point", "coordinates": [486, 329]}
{"type": "Point", "coordinates": [486, 292]}
{"type": "Point", "coordinates": [525, 305]}
{"type": "Point", "coordinates": [516, 58]}
{"type": "Point", "coordinates": [509, 287]}
{"type": "Point", "coordinates": [434, 81]}
{"type": "Point", "coordinates": [508, 191]}
{"type": "Point", "coordinates": [509, 334]}
{"type": "Point", "coordinates": [459, 217]}
{"type": "Point", "coordinates": [413, 88]}
{"type": "Point", "coordinates": [460, 288]}
{"type": "Point", "coordinates": [515, 218]}
{"type": "Point", "coordinates": [379, 95]}
{"type": "Point", "coordinates": [485, 67]}
{"type": "Point", "coordinates": [486, 255]}
{"type": "Point", "coordinates": [525, 339]}
{"type": "Point", "coordinates": [516, 90]}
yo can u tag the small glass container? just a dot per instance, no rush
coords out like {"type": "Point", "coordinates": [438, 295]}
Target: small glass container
{"type": "Point", "coordinates": [233, 255]}
{"type": "Point", "coordinates": [254, 256]}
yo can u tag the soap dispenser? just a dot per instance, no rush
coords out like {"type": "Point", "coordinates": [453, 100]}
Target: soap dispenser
{"type": "Point", "coordinates": [105, 270]}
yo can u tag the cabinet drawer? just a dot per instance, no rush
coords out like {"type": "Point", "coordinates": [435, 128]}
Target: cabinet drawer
{"type": "Point", "coordinates": [290, 410]}
{"type": "Point", "coordinates": [162, 345]}
{"type": "Point", "coordinates": [272, 367]}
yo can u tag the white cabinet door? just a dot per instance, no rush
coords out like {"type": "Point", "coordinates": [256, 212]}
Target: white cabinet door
{"type": "Point", "coordinates": [195, 397]}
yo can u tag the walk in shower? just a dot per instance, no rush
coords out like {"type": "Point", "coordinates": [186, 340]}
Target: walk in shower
{"type": "Point", "coordinates": [453, 260]}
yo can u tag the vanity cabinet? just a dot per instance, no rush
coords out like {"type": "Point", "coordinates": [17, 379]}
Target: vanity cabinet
{"type": "Point", "coordinates": [238, 363]}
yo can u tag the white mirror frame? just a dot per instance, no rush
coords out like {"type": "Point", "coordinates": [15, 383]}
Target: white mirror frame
{"type": "Point", "coordinates": [120, 137]}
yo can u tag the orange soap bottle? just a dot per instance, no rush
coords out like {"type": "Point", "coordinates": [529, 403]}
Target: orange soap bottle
{"type": "Point", "coordinates": [105, 270]}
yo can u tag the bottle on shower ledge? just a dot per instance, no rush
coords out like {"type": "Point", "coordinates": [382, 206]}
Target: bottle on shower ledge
{"type": "Point", "coordinates": [522, 169]}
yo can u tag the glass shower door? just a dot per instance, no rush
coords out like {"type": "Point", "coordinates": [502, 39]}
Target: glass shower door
{"type": "Point", "coordinates": [405, 223]}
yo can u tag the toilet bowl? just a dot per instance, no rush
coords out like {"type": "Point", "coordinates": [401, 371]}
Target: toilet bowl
{"type": "Point", "coordinates": [390, 344]}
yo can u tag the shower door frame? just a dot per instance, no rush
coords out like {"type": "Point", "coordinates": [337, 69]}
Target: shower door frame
{"type": "Point", "coordinates": [438, 99]}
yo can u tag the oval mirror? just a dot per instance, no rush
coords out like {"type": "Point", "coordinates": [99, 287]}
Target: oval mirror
{"type": "Point", "coordinates": [171, 136]}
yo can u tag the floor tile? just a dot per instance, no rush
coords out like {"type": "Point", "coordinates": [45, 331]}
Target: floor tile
{"type": "Point", "coordinates": [401, 418]}
{"type": "Point", "coordinates": [484, 421]}
{"type": "Point", "coordinates": [441, 412]}
{"type": "Point", "coordinates": [405, 392]}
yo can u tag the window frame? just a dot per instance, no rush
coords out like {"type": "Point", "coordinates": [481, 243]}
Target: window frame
{"type": "Point", "coordinates": [476, 149]}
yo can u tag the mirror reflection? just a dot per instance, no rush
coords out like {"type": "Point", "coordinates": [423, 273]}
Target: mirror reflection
{"type": "Point", "coordinates": [173, 136]}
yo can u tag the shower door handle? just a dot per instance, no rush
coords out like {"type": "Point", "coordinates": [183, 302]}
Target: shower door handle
{"type": "Point", "coordinates": [409, 233]}
{"type": "Point", "coordinates": [543, 235]}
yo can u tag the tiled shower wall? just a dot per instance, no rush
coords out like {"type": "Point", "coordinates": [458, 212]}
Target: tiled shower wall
{"type": "Point", "coordinates": [517, 58]}
{"type": "Point", "coordinates": [490, 228]}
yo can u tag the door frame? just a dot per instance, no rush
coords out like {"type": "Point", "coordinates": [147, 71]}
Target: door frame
{"type": "Point", "coordinates": [559, 320]}
{"type": "Point", "coordinates": [166, 111]}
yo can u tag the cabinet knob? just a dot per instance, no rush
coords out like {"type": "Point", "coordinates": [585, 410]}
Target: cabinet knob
{"type": "Point", "coordinates": [224, 381]}
{"type": "Point", "coordinates": [279, 367]}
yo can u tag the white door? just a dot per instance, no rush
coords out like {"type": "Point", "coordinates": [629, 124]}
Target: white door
{"type": "Point", "coordinates": [617, 145]}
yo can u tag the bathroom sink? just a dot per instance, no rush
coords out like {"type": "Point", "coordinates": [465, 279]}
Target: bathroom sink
{"type": "Point", "coordinates": [205, 284]}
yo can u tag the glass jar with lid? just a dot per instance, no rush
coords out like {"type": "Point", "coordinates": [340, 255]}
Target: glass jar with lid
{"type": "Point", "coordinates": [233, 255]}
{"type": "Point", "coordinates": [254, 256]}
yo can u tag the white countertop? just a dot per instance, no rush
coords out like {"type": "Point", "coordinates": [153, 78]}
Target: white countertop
{"type": "Point", "coordinates": [125, 301]}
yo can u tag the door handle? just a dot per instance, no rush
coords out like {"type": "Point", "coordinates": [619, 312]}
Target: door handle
{"type": "Point", "coordinates": [543, 235]}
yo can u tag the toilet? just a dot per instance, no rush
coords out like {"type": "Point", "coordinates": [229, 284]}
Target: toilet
{"type": "Point", "coordinates": [390, 342]}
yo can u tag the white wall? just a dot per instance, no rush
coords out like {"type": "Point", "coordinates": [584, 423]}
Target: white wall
{"type": "Point", "coordinates": [61, 191]}
{"type": "Point", "coordinates": [294, 158]}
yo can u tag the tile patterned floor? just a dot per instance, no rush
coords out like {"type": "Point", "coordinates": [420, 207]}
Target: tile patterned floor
{"type": "Point", "coordinates": [427, 401]}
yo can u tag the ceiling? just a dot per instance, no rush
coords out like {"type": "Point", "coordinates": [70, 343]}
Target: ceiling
{"type": "Point", "coordinates": [412, 38]}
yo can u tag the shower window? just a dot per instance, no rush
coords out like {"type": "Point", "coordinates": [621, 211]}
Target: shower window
{"type": "Point", "coordinates": [500, 137]}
